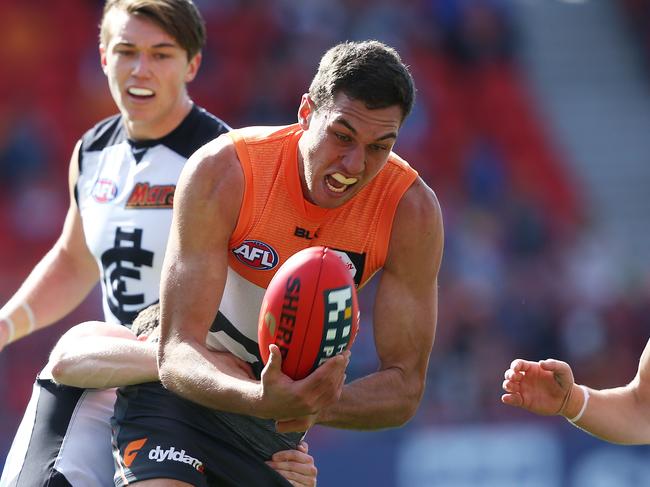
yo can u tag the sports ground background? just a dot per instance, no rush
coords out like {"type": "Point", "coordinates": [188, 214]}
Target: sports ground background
{"type": "Point", "coordinates": [531, 125]}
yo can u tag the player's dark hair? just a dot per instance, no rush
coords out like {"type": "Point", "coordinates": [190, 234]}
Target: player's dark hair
{"type": "Point", "coordinates": [179, 18]}
{"type": "Point", "coordinates": [147, 321]}
{"type": "Point", "coordinates": [368, 71]}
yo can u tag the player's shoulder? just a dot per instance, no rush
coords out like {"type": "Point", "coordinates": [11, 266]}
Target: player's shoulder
{"type": "Point", "coordinates": [419, 207]}
{"type": "Point", "coordinates": [215, 159]}
{"type": "Point", "coordinates": [197, 129]}
{"type": "Point", "coordinates": [105, 133]}
{"type": "Point", "coordinates": [223, 153]}
{"type": "Point", "coordinates": [212, 179]}
{"type": "Point", "coordinates": [417, 234]}
{"type": "Point", "coordinates": [204, 125]}
{"type": "Point", "coordinates": [261, 134]}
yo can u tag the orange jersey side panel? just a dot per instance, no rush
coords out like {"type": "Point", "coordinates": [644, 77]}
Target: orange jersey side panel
{"type": "Point", "coordinates": [276, 221]}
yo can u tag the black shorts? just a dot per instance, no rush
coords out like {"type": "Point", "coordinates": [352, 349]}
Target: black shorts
{"type": "Point", "coordinates": [157, 434]}
{"type": "Point", "coordinates": [64, 439]}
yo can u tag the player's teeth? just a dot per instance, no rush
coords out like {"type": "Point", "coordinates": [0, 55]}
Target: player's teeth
{"type": "Point", "coordinates": [140, 91]}
{"type": "Point", "coordinates": [342, 179]}
{"type": "Point", "coordinates": [334, 188]}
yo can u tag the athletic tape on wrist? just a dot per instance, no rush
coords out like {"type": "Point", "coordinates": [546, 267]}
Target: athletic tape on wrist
{"type": "Point", "coordinates": [30, 317]}
{"type": "Point", "coordinates": [585, 393]}
{"type": "Point", "coordinates": [11, 327]}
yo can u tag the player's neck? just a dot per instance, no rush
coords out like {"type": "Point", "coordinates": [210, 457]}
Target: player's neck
{"type": "Point", "coordinates": [160, 127]}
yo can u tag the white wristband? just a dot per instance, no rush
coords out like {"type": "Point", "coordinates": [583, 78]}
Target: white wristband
{"type": "Point", "coordinates": [585, 393]}
{"type": "Point", "coordinates": [30, 317]}
{"type": "Point", "coordinates": [11, 328]}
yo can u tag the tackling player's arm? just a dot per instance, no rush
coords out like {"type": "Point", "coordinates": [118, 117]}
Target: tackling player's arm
{"type": "Point", "coordinates": [618, 415]}
{"type": "Point", "coordinates": [58, 283]}
{"type": "Point", "coordinates": [405, 314]}
{"type": "Point", "coordinates": [100, 355]}
{"type": "Point", "coordinates": [206, 208]}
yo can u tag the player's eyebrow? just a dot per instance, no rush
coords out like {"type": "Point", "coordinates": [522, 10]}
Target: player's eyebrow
{"type": "Point", "coordinates": [155, 46]}
{"type": "Point", "coordinates": [348, 125]}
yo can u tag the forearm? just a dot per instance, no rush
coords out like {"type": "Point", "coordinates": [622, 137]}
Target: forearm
{"type": "Point", "coordinates": [384, 399]}
{"type": "Point", "coordinates": [102, 362]}
{"type": "Point", "coordinates": [618, 415]}
{"type": "Point", "coordinates": [56, 286]}
{"type": "Point", "coordinates": [209, 379]}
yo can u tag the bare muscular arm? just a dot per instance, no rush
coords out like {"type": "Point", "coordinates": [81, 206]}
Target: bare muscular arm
{"type": "Point", "coordinates": [405, 314]}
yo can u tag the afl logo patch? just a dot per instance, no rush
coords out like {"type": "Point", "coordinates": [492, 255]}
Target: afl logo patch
{"type": "Point", "coordinates": [257, 255]}
{"type": "Point", "coordinates": [104, 191]}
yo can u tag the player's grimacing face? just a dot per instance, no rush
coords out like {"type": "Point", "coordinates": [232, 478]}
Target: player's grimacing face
{"type": "Point", "coordinates": [343, 147]}
{"type": "Point", "coordinates": [147, 71]}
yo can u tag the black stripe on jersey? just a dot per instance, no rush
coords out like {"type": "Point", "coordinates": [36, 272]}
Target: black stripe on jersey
{"type": "Point", "coordinates": [221, 323]}
{"type": "Point", "coordinates": [109, 131]}
{"type": "Point", "coordinates": [197, 129]}
{"type": "Point", "coordinates": [106, 133]}
{"type": "Point", "coordinates": [55, 407]}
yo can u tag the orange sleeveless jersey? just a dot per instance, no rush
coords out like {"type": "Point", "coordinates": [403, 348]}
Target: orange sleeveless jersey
{"type": "Point", "coordinates": [275, 220]}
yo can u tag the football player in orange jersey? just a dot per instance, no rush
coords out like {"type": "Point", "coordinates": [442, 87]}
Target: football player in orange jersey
{"type": "Point", "coordinates": [244, 204]}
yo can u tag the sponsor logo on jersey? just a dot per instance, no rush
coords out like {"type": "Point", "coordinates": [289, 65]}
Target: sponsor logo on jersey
{"type": "Point", "coordinates": [132, 450]}
{"type": "Point", "coordinates": [173, 455]}
{"type": "Point", "coordinates": [104, 190]}
{"type": "Point", "coordinates": [257, 255]}
{"type": "Point", "coordinates": [354, 262]}
{"type": "Point", "coordinates": [287, 321]}
{"type": "Point", "coordinates": [304, 233]}
{"type": "Point", "coordinates": [145, 195]}
{"type": "Point", "coordinates": [338, 322]}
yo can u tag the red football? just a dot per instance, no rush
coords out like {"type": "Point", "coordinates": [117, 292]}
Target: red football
{"type": "Point", "coordinates": [310, 311]}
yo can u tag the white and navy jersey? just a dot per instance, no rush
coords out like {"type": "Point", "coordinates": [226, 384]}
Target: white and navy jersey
{"type": "Point", "coordinates": [125, 193]}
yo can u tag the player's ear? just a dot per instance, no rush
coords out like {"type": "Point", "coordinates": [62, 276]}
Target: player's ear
{"type": "Point", "coordinates": [193, 67]}
{"type": "Point", "coordinates": [102, 57]}
{"type": "Point", "coordinates": [305, 111]}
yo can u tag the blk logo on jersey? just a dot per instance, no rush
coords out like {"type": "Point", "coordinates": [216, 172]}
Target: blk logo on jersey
{"type": "Point", "coordinates": [104, 190]}
{"type": "Point", "coordinates": [257, 255]}
{"type": "Point", "coordinates": [132, 450]}
{"type": "Point", "coordinates": [145, 195]}
{"type": "Point", "coordinates": [303, 233]}
{"type": "Point", "coordinates": [338, 323]}
{"type": "Point", "coordinates": [120, 265]}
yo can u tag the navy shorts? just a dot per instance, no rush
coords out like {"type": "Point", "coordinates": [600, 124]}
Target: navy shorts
{"type": "Point", "coordinates": [157, 434]}
{"type": "Point", "coordinates": [64, 439]}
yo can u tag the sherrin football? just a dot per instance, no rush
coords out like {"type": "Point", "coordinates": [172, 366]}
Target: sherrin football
{"type": "Point", "coordinates": [310, 311]}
